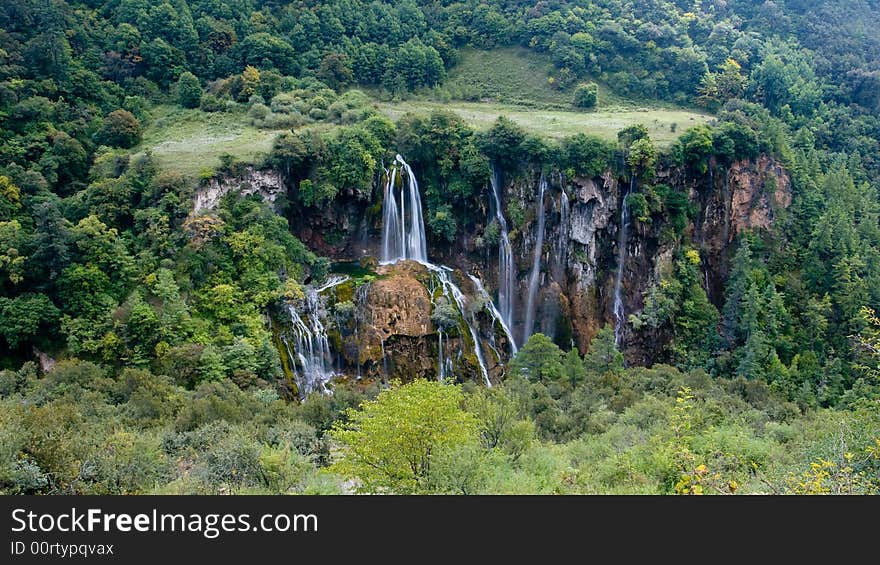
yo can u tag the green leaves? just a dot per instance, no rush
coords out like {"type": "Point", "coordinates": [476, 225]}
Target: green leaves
{"type": "Point", "coordinates": [539, 359]}
{"type": "Point", "coordinates": [586, 95]}
{"type": "Point", "coordinates": [390, 442]}
{"type": "Point", "coordinates": [22, 317]}
{"type": "Point", "coordinates": [120, 129]}
{"type": "Point", "coordinates": [189, 90]}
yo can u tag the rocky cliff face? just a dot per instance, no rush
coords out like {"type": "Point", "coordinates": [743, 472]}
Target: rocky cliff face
{"type": "Point", "coordinates": [344, 230]}
{"type": "Point", "coordinates": [593, 214]}
{"type": "Point", "coordinates": [390, 332]}
{"type": "Point", "coordinates": [578, 262]}
{"type": "Point", "coordinates": [268, 184]}
{"type": "Point", "coordinates": [396, 336]}
{"type": "Point", "coordinates": [747, 196]}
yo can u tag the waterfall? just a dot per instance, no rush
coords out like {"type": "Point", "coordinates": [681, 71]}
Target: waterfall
{"type": "Point", "coordinates": [706, 278]}
{"type": "Point", "coordinates": [360, 301]}
{"type": "Point", "coordinates": [310, 357]}
{"type": "Point", "coordinates": [505, 256]}
{"type": "Point", "coordinates": [332, 282]}
{"type": "Point", "coordinates": [562, 244]}
{"type": "Point", "coordinates": [619, 308]}
{"type": "Point", "coordinates": [496, 315]}
{"type": "Point", "coordinates": [441, 373]}
{"type": "Point", "coordinates": [451, 290]}
{"type": "Point", "coordinates": [402, 239]}
{"type": "Point", "coordinates": [531, 306]}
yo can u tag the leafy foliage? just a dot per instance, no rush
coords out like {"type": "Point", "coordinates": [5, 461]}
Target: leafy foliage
{"type": "Point", "coordinates": [586, 95]}
{"type": "Point", "coordinates": [391, 442]}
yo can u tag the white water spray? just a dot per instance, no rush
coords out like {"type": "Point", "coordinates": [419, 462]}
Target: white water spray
{"type": "Point", "coordinates": [310, 357]}
{"type": "Point", "coordinates": [496, 315]}
{"type": "Point", "coordinates": [403, 237]}
{"type": "Point", "coordinates": [562, 247]}
{"type": "Point", "coordinates": [451, 290]}
{"type": "Point", "coordinates": [531, 305]}
{"type": "Point", "coordinates": [505, 256]}
{"type": "Point", "coordinates": [619, 308]}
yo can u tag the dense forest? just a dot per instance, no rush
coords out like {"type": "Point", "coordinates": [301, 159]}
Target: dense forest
{"type": "Point", "coordinates": [148, 316]}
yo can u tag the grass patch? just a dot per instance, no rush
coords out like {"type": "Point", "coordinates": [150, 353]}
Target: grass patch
{"type": "Point", "coordinates": [191, 141]}
{"type": "Point", "coordinates": [557, 124]}
{"type": "Point", "coordinates": [514, 82]}
{"type": "Point", "coordinates": [519, 77]}
{"type": "Point", "coordinates": [508, 76]}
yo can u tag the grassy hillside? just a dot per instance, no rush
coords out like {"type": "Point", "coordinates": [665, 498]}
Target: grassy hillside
{"type": "Point", "coordinates": [664, 125]}
{"type": "Point", "coordinates": [192, 141]}
{"type": "Point", "coordinates": [484, 85]}
{"type": "Point", "coordinates": [511, 76]}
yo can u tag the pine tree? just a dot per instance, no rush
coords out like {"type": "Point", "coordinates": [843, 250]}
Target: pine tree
{"type": "Point", "coordinates": [573, 367]}
{"type": "Point", "coordinates": [603, 357]}
{"type": "Point", "coordinates": [737, 286]}
{"type": "Point", "coordinates": [539, 359]}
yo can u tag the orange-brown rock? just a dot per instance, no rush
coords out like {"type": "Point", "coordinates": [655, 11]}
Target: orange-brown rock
{"type": "Point", "coordinates": [398, 303]}
{"type": "Point", "coordinates": [757, 189]}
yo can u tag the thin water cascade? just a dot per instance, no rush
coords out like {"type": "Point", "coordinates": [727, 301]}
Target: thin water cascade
{"type": "Point", "coordinates": [451, 290]}
{"type": "Point", "coordinates": [562, 246]}
{"type": "Point", "coordinates": [403, 237]}
{"type": "Point", "coordinates": [505, 255]}
{"type": "Point", "coordinates": [496, 315]}
{"type": "Point", "coordinates": [531, 305]}
{"type": "Point", "coordinates": [310, 358]}
{"type": "Point", "coordinates": [332, 282]}
{"type": "Point", "coordinates": [619, 308]}
{"type": "Point", "coordinates": [706, 278]}
{"type": "Point", "coordinates": [444, 362]}
{"type": "Point", "coordinates": [441, 366]}
{"type": "Point", "coordinates": [360, 298]}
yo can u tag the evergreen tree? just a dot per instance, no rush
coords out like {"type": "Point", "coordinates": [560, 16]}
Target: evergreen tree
{"type": "Point", "coordinates": [539, 359]}
{"type": "Point", "coordinates": [603, 357]}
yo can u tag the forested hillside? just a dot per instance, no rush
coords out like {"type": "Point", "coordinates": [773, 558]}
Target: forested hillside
{"type": "Point", "coordinates": [655, 224]}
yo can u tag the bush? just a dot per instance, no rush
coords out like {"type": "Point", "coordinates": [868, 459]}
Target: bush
{"type": "Point", "coordinates": [210, 103]}
{"type": "Point", "coordinates": [283, 121]}
{"type": "Point", "coordinates": [442, 223]}
{"type": "Point", "coordinates": [445, 316]}
{"type": "Point", "coordinates": [587, 154]}
{"type": "Point", "coordinates": [189, 90]}
{"type": "Point", "coordinates": [318, 114]}
{"type": "Point", "coordinates": [638, 207]}
{"type": "Point", "coordinates": [492, 233]}
{"type": "Point", "coordinates": [120, 129]}
{"type": "Point", "coordinates": [284, 103]}
{"type": "Point", "coordinates": [258, 111]}
{"type": "Point", "coordinates": [586, 95]}
{"type": "Point", "coordinates": [390, 442]}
